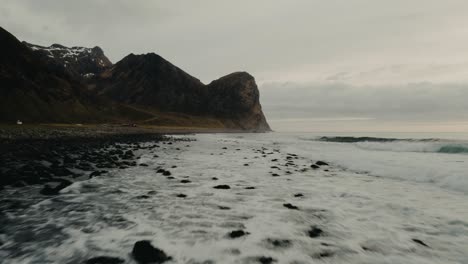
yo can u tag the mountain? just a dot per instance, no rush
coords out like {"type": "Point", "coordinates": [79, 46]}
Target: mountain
{"type": "Point", "coordinates": [31, 91]}
{"type": "Point", "coordinates": [78, 61]}
{"type": "Point", "coordinates": [81, 85]}
{"type": "Point", "coordinates": [154, 83]}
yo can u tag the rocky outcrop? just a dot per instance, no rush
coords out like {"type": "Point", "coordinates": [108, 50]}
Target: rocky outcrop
{"type": "Point", "coordinates": [236, 99]}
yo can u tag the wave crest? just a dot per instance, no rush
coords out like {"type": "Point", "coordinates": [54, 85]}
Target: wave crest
{"type": "Point", "coordinates": [428, 145]}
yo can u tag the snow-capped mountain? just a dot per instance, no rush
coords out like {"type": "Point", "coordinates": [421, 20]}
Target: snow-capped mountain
{"type": "Point", "coordinates": [84, 62]}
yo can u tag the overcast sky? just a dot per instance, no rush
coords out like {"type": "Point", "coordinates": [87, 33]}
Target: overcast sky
{"type": "Point", "coordinates": [351, 65]}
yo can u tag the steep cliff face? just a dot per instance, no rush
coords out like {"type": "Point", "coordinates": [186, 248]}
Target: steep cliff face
{"type": "Point", "coordinates": [237, 98]}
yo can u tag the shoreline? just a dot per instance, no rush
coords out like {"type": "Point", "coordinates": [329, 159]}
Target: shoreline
{"type": "Point", "coordinates": [59, 153]}
{"type": "Point", "coordinates": [69, 131]}
{"type": "Point", "coordinates": [55, 158]}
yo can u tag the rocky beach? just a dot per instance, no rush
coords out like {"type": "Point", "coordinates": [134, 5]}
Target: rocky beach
{"type": "Point", "coordinates": [218, 198]}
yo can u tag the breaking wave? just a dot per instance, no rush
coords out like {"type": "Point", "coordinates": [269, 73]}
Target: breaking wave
{"type": "Point", "coordinates": [430, 145]}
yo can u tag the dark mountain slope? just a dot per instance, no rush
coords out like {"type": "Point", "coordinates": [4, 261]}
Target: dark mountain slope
{"type": "Point", "coordinates": [151, 81]}
{"type": "Point", "coordinates": [34, 92]}
{"type": "Point", "coordinates": [30, 91]}
{"type": "Point", "coordinates": [154, 83]}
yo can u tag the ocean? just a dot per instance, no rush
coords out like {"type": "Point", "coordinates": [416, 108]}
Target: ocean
{"type": "Point", "coordinates": [297, 197]}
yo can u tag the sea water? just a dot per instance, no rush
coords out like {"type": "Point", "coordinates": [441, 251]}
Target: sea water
{"type": "Point", "coordinates": [395, 198]}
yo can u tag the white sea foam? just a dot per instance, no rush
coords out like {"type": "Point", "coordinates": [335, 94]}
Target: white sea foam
{"type": "Point", "coordinates": [365, 219]}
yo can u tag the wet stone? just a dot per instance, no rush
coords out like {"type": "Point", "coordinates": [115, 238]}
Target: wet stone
{"type": "Point", "coordinates": [104, 260]}
{"type": "Point", "coordinates": [321, 163]}
{"type": "Point", "coordinates": [266, 260]}
{"type": "Point", "coordinates": [279, 243]}
{"type": "Point", "coordinates": [420, 242]}
{"type": "Point", "coordinates": [143, 252]}
{"type": "Point", "coordinates": [237, 234]}
{"type": "Point", "coordinates": [290, 206]}
{"type": "Point", "coordinates": [222, 186]}
{"type": "Point", "coordinates": [315, 232]}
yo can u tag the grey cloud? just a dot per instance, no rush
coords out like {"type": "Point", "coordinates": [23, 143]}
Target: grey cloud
{"type": "Point", "coordinates": [210, 38]}
{"type": "Point", "coordinates": [419, 101]}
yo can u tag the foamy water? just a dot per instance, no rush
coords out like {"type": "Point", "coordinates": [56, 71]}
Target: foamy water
{"type": "Point", "coordinates": [371, 205]}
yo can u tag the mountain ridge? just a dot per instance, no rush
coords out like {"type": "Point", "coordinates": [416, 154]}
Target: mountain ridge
{"type": "Point", "coordinates": [143, 89]}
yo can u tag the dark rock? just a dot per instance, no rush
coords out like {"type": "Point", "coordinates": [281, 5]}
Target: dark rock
{"type": "Point", "coordinates": [266, 260]}
{"type": "Point", "coordinates": [419, 242]}
{"type": "Point", "coordinates": [185, 181]}
{"type": "Point", "coordinates": [249, 188]}
{"type": "Point", "coordinates": [290, 206]}
{"type": "Point", "coordinates": [166, 173]}
{"type": "Point", "coordinates": [143, 252]}
{"type": "Point", "coordinates": [223, 186]}
{"type": "Point", "coordinates": [298, 195]}
{"type": "Point", "coordinates": [143, 164]}
{"type": "Point", "coordinates": [62, 172]}
{"type": "Point", "coordinates": [19, 184]}
{"type": "Point", "coordinates": [274, 175]}
{"type": "Point", "coordinates": [279, 243]}
{"type": "Point", "coordinates": [96, 173]}
{"type": "Point", "coordinates": [325, 254]}
{"type": "Point", "coordinates": [315, 232]}
{"type": "Point", "coordinates": [313, 166]}
{"type": "Point", "coordinates": [104, 260]}
{"type": "Point", "coordinates": [237, 234]}
{"type": "Point", "coordinates": [214, 179]}
{"type": "Point", "coordinates": [224, 208]}
{"type": "Point", "coordinates": [321, 163]}
{"type": "Point", "coordinates": [142, 197]}
{"type": "Point", "coordinates": [246, 164]}
{"type": "Point", "coordinates": [48, 190]}
{"type": "Point", "coordinates": [181, 195]}
{"type": "Point", "coordinates": [160, 171]}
